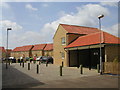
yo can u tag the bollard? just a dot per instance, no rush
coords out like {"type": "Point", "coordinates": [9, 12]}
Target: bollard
{"type": "Point", "coordinates": [46, 64]}
{"type": "Point", "coordinates": [20, 63]}
{"type": "Point", "coordinates": [81, 69]}
{"type": "Point", "coordinates": [62, 63]}
{"type": "Point", "coordinates": [6, 66]}
{"type": "Point", "coordinates": [37, 68]}
{"type": "Point", "coordinates": [39, 62]}
{"type": "Point", "coordinates": [9, 62]}
{"type": "Point", "coordinates": [98, 68]}
{"type": "Point", "coordinates": [60, 70]}
{"type": "Point", "coordinates": [28, 66]}
{"type": "Point", "coordinates": [23, 64]}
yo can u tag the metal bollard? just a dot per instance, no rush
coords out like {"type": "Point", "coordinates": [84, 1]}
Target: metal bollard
{"type": "Point", "coordinates": [28, 66]}
{"type": "Point", "coordinates": [98, 68]}
{"type": "Point", "coordinates": [9, 62]}
{"type": "Point", "coordinates": [62, 63]}
{"type": "Point", "coordinates": [81, 69]}
{"type": "Point", "coordinates": [37, 68]}
{"type": "Point", "coordinates": [60, 70]}
{"type": "Point", "coordinates": [6, 66]}
{"type": "Point", "coordinates": [39, 62]}
{"type": "Point", "coordinates": [46, 64]}
{"type": "Point", "coordinates": [23, 64]}
{"type": "Point", "coordinates": [20, 63]}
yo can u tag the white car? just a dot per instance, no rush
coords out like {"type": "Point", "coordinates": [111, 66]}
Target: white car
{"type": "Point", "coordinates": [38, 58]}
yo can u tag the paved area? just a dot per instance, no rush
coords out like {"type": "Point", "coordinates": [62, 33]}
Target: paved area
{"type": "Point", "coordinates": [18, 77]}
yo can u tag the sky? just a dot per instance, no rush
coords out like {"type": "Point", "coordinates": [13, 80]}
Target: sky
{"type": "Point", "coordinates": [36, 22]}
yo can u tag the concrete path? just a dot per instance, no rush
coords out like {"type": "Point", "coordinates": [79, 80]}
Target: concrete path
{"type": "Point", "coordinates": [18, 77]}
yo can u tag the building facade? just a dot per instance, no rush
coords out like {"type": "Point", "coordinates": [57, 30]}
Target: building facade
{"type": "Point", "coordinates": [38, 50]}
{"type": "Point", "coordinates": [48, 50]}
{"type": "Point", "coordinates": [2, 52]}
{"type": "Point", "coordinates": [76, 45]}
{"type": "Point", "coordinates": [22, 52]}
{"type": "Point", "coordinates": [65, 35]}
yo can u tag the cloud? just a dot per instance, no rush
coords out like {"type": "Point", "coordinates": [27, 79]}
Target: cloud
{"type": "Point", "coordinates": [45, 5]}
{"type": "Point", "coordinates": [30, 7]}
{"type": "Point", "coordinates": [4, 5]}
{"type": "Point", "coordinates": [86, 16]}
{"type": "Point", "coordinates": [109, 4]}
{"type": "Point", "coordinates": [7, 23]}
{"type": "Point", "coordinates": [113, 29]}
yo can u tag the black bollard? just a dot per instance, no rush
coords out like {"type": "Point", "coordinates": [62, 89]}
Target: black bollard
{"type": "Point", "coordinates": [6, 66]}
{"type": "Point", "coordinates": [39, 62]}
{"type": "Point", "coordinates": [28, 66]}
{"type": "Point", "coordinates": [37, 68]}
{"type": "Point", "coordinates": [20, 63]}
{"type": "Point", "coordinates": [98, 68]}
{"type": "Point", "coordinates": [60, 70]}
{"type": "Point", "coordinates": [46, 64]}
{"type": "Point", "coordinates": [9, 62]}
{"type": "Point", "coordinates": [81, 69]}
{"type": "Point", "coordinates": [62, 63]}
{"type": "Point", "coordinates": [23, 64]}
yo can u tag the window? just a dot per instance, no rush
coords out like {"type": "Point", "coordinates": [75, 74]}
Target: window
{"type": "Point", "coordinates": [63, 40]}
{"type": "Point", "coordinates": [62, 55]}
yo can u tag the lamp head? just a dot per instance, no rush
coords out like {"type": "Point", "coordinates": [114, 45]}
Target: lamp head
{"type": "Point", "coordinates": [101, 16]}
{"type": "Point", "coordinates": [9, 28]}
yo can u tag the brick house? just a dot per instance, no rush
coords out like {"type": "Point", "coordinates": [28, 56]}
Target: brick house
{"type": "Point", "coordinates": [48, 50]}
{"type": "Point", "coordinates": [75, 45]}
{"type": "Point", "coordinates": [2, 52]}
{"type": "Point", "coordinates": [65, 35]}
{"type": "Point", "coordinates": [86, 49]}
{"type": "Point", "coordinates": [23, 51]}
{"type": "Point", "coordinates": [38, 50]}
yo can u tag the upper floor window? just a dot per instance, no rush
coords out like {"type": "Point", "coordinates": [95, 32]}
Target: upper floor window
{"type": "Point", "coordinates": [63, 41]}
{"type": "Point", "coordinates": [62, 55]}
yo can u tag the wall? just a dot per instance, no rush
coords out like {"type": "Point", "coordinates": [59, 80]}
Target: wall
{"type": "Point", "coordinates": [111, 52]}
{"type": "Point", "coordinates": [48, 53]}
{"type": "Point", "coordinates": [58, 47]}
{"type": "Point", "coordinates": [37, 52]}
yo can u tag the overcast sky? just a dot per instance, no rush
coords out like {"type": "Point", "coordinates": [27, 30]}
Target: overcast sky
{"type": "Point", "coordinates": [36, 22]}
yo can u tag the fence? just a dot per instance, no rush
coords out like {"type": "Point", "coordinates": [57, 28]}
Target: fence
{"type": "Point", "coordinates": [111, 67]}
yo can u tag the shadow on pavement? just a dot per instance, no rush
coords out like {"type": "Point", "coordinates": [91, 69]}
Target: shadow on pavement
{"type": "Point", "coordinates": [13, 78]}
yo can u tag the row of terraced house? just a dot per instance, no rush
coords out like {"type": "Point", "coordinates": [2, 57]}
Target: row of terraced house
{"type": "Point", "coordinates": [33, 50]}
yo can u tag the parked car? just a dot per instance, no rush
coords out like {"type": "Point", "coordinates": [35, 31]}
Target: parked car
{"type": "Point", "coordinates": [12, 59]}
{"type": "Point", "coordinates": [45, 59]}
{"type": "Point", "coordinates": [38, 59]}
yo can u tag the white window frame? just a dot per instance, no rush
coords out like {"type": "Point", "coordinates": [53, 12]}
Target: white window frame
{"type": "Point", "coordinates": [63, 42]}
{"type": "Point", "coordinates": [62, 55]}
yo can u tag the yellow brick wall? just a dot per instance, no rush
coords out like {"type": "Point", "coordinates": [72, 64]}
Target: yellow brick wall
{"type": "Point", "coordinates": [48, 53]}
{"type": "Point", "coordinates": [37, 52]}
{"type": "Point", "coordinates": [58, 47]}
{"type": "Point", "coordinates": [111, 52]}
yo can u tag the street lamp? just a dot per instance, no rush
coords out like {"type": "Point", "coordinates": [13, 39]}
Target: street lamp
{"type": "Point", "coordinates": [8, 29]}
{"type": "Point", "coordinates": [101, 65]}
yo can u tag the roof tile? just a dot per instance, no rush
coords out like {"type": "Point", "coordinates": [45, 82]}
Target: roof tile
{"type": "Point", "coordinates": [94, 39]}
{"type": "Point", "coordinates": [49, 47]}
{"type": "Point", "coordinates": [39, 46]}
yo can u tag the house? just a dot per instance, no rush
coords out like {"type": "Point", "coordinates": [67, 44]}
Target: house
{"type": "Point", "coordinates": [38, 50]}
{"type": "Point", "coordinates": [23, 51]}
{"type": "Point", "coordinates": [85, 50]}
{"type": "Point", "coordinates": [2, 52]}
{"type": "Point", "coordinates": [75, 45]}
{"type": "Point", "coordinates": [48, 50]}
{"type": "Point", "coordinates": [65, 35]}
{"type": "Point", "coordinates": [9, 52]}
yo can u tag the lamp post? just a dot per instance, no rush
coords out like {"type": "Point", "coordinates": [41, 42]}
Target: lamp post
{"type": "Point", "coordinates": [101, 65]}
{"type": "Point", "coordinates": [8, 29]}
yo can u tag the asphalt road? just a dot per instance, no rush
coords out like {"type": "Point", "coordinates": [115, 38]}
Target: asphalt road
{"type": "Point", "coordinates": [18, 77]}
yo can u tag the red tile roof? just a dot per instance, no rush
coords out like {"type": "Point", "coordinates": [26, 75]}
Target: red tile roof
{"type": "Point", "coordinates": [79, 29]}
{"type": "Point", "coordinates": [49, 47]}
{"type": "Point", "coordinates": [39, 47]}
{"type": "Point", "coordinates": [94, 39]}
{"type": "Point", "coordinates": [2, 49]}
{"type": "Point", "coordinates": [23, 48]}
